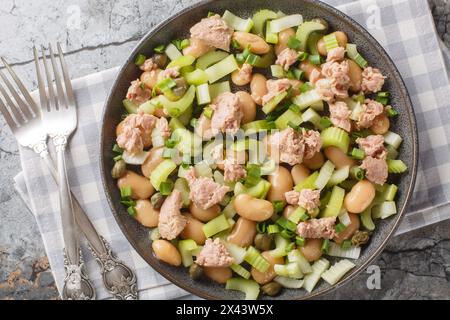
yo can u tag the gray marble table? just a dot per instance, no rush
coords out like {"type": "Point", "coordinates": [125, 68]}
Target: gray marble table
{"type": "Point", "coordinates": [99, 35]}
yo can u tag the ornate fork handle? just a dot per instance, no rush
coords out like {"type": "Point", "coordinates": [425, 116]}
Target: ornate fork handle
{"type": "Point", "coordinates": [118, 279]}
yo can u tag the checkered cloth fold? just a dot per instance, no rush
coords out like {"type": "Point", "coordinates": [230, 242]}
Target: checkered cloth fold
{"type": "Point", "coordinates": [407, 33]}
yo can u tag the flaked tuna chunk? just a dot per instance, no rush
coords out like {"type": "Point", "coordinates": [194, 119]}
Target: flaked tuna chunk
{"type": "Point", "coordinates": [214, 32]}
{"type": "Point", "coordinates": [287, 146]}
{"type": "Point", "coordinates": [274, 87]}
{"type": "Point", "coordinates": [312, 142]}
{"type": "Point", "coordinates": [214, 254]}
{"type": "Point", "coordinates": [287, 58]}
{"type": "Point", "coordinates": [336, 54]}
{"type": "Point", "coordinates": [317, 228]}
{"type": "Point", "coordinates": [227, 113]}
{"type": "Point", "coordinates": [171, 222]}
{"type": "Point", "coordinates": [308, 199]}
{"type": "Point", "coordinates": [173, 73]}
{"type": "Point", "coordinates": [376, 170]}
{"type": "Point", "coordinates": [233, 171]}
{"type": "Point", "coordinates": [373, 146]}
{"type": "Point", "coordinates": [204, 192]}
{"type": "Point", "coordinates": [371, 109]}
{"type": "Point", "coordinates": [163, 126]}
{"type": "Point", "coordinates": [372, 80]}
{"type": "Point", "coordinates": [245, 73]}
{"type": "Point", "coordinates": [315, 76]}
{"type": "Point", "coordinates": [137, 128]}
{"type": "Point", "coordinates": [138, 93]}
{"type": "Point", "coordinates": [203, 128]}
{"type": "Point", "coordinates": [325, 89]}
{"type": "Point", "coordinates": [337, 73]}
{"type": "Point", "coordinates": [339, 115]}
{"type": "Point", "coordinates": [148, 65]}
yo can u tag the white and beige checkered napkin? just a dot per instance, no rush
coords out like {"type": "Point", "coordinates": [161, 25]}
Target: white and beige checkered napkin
{"type": "Point", "coordinates": [408, 34]}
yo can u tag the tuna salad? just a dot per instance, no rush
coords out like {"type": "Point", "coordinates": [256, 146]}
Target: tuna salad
{"type": "Point", "coordinates": [256, 150]}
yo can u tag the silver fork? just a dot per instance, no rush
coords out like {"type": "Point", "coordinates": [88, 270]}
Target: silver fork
{"type": "Point", "coordinates": [24, 118]}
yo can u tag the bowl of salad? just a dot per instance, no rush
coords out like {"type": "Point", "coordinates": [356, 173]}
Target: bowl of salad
{"type": "Point", "coordinates": [258, 150]}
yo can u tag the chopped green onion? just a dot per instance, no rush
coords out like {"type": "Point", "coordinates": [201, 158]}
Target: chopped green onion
{"type": "Point", "coordinates": [193, 123]}
{"type": "Point", "coordinates": [325, 245]}
{"type": "Point", "coordinates": [211, 13]}
{"type": "Point", "coordinates": [357, 154]}
{"type": "Point", "coordinates": [315, 59]}
{"type": "Point", "coordinates": [170, 143]}
{"type": "Point", "coordinates": [293, 43]}
{"type": "Point", "coordinates": [306, 87]}
{"type": "Point", "coordinates": [117, 149]}
{"type": "Point", "coordinates": [382, 100]}
{"type": "Point", "coordinates": [254, 258]}
{"type": "Point", "coordinates": [340, 227]}
{"type": "Point", "coordinates": [273, 228]}
{"type": "Point", "coordinates": [132, 211]}
{"type": "Point", "coordinates": [298, 215]}
{"type": "Point", "coordinates": [252, 59]}
{"type": "Point", "coordinates": [253, 175]}
{"type": "Point", "coordinates": [384, 94]}
{"type": "Point", "coordinates": [261, 227]}
{"type": "Point", "coordinates": [357, 173]}
{"type": "Point", "coordinates": [346, 244]}
{"type": "Point", "coordinates": [330, 42]}
{"type": "Point", "coordinates": [287, 234]}
{"type": "Point", "coordinates": [275, 101]}
{"type": "Point", "coordinates": [278, 206]}
{"type": "Point", "coordinates": [140, 59]}
{"type": "Point", "coordinates": [162, 172]}
{"type": "Point", "coordinates": [290, 246]}
{"type": "Point", "coordinates": [240, 58]}
{"type": "Point", "coordinates": [298, 74]}
{"type": "Point", "coordinates": [235, 44]}
{"type": "Point", "coordinates": [286, 224]}
{"type": "Point", "coordinates": [208, 112]}
{"type": "Point", "coordinates": [178, 43]}
{"type": "Point", "coordinates": [240, 270]}
{"type": "Point", "coordinates": [391, 112]}
{"type": "Point", "coordinates": [128, 202]}
{"type": "Point", "coordinates": [159, 49]}
{"type": "Point", "coordinates": [216, 225]}
{"type": "Point", "coordinates": [303, 56]}
{"type": "Point", "coordinates": [166, 84]}
{"type": "Point", "coordinates": [325, 122]}
{"type": "Point", "coordinates": [117, 158]}
{"type": "Point", "coordinates": [125, 192]}
{"type": "Point", "coordinates": [300, 241]}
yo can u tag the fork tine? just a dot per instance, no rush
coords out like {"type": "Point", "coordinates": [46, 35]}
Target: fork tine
{"type": "Point", "coordinates": [51, 93]}
{"type": "Point", "coordinates": [17, 116]}
{"type": "Point", "coordinates": [21, 104]}
{"type": "Point", "coordinates": [22, 88]}
{"type": "Point", "coordinates": [42, 94]}
{"type": "Point", "coordinates": [67, 82]}
{"type": "Point", "coordinates": [59, 89]}
{"type": "Point", "coordinates": [7, 115]}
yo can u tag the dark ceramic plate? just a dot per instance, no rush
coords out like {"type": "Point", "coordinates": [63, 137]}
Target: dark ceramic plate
{"type": "Point", "coordinates": [178, 26]}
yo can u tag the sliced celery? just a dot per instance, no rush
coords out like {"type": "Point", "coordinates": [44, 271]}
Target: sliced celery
{"type": "Point", "coordinates": [172, 52]}
{"type": "Point", "coordinates": [256, 191]}
{"type": "Point", "coordinates": [202, 169]}
{"type": "Point", "coordinates": [238, 253]}
{"type": "Point", "coordinates": [154, 234]}
{"type": "Point", "coordinates": [308, 183]}
{"type": "Point", "coordinates": [390, 192]}
{"type": "Point", "coordinates": [202, 92]}
{"type": "Point", "coordinates": [175, 108]}
{"type": "Point", "coordinates": [260, 18]}
{"type": "Point", "coordinates": [256, 260]}
{"type": "Point", "coordinates": [188, 142]}
{"type": "Point", "coordinates": [196, 77]}
{"type": "Point", "coordinates": [277, 71]}
{"type": "Point", "coordinates": [268, 167]}
{"type": "Point", "coordinates": [311, 279]}
{"type": "Point", "coordinates": [162, 172]}
{"type": "Point", "coordinates": [249, 287]}
{"type": "Point", "coordinates": [286, 22]}
{"type": "Point", "coordinates": [218, 88]}
{"type": "Point", "coordinates": [287, 117]}
{"type": "Point", "coordinates": [353, 54]}
{"type": "Point", "coordinates": [334, 206]}
{"type": "Point", "coordinates": [384, 210]}
{"type": "Point", "coordinates": [337, 271]}
{"type": "Point", "coordinates": [229, 211]}
{"type": "Point", "coordinates": [304, 31]}
{"type": "Point", "coordinates": [240, 270]}
{"type": "Point", "coordinates": [266, 60]}
{"type": "Point", "coordinates": [396, 166]}
{"type": "Point", "coordinates": [175, 123]}
{"type": "Point", "coordinates": [271, 37]}
{"type": "Point", "coordinates": [337, 137]}
{"type": "Point", "coordinates": [186, 116]}
{"type": "Point", "coordinates": [307, 99]}
{"type": "Point", "coordinates": [147, 107]}
{"type": "Point", "coordinates": [318, 106]}
{"type": "Point", "coordinates": [344, 218]}
{"type": "Point", "coordinates": [130, 106]}
{"type": "Point", "coordinates": [273, 103]}
{"type": "Point", "coordinates": [134, 159]}
{"type": "Point", "coordinates": [182, 186]}
{"type": "Point", "coordinates": [216, 225]}
{"type": "Point", "coordinates": [311, 116]}
{"type": "Point", "coordinates": [297, 215]}
{"type": "Point", "coordinates": [236, 22]}
{"type": "Point", "coordinates": [324, 175]}
{"type": "Point", "coordinates": [221, 69]}
{"type": "Point", "coordinates": [296, 256]}
{"type": "Point", "coordinates": [280, 247]}
{"type": "Point", "coordinates": [330, 41]}
{"type": "Point", "coordinates": [210, 58]}
{"type": "Point", "coordinates": [181, 62]}
{"type": "Point", "coordinates": [335, 250]}
{"type": "Point", "coordinates": [291, 270]}
{"type": "Point", "coordinates": [289, 282]}
{"type": "Point", "coordinates": [256, 126]}
{"type": "Point", "coordinates": [338, 176]}
{"type": "Point", "coordinates": [392, 139]}
{"type": "Point", "coordinates": [186, 247]}
{"type": "Point", "coordinates": [366, 219]}
{"type": "Point", "coordinates": [312, 41]}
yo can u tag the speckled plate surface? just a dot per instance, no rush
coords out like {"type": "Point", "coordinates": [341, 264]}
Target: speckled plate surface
{"type": "Point", "coordinates": [178, 26]}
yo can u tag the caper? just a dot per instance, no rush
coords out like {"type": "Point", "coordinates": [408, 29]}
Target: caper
{"type": "Point", "coordinates": [179, 91]}
{"type": "Point", "coordinates": [119, 169]}
{"type": "Point", "coordinates": [271, 288]}
{"type": "Point", "coordinates": [181, 82]}
{"type": "Point", "coordinates": [195, 271]}
{"type": "Point", "coordinates": [263, 241]}
{"type": "Point", "coordinates": [157, 200]}
{"type": "Point", "coordinates": [360, 238]}
{"type": "Point", "coordinates": [160, 60]}
{"type": "Point", "coordinates": [321, 21]}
